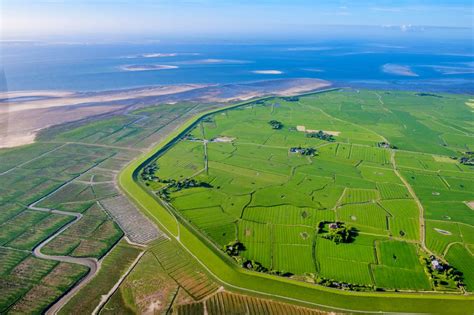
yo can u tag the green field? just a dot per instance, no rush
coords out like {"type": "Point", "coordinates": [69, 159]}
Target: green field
{"type": "Point", "coordinates": [237, 180]}
{"type": "Point", "coordinates": [113, 267]}
{"type": "Point", "coordinates": [82, 159]}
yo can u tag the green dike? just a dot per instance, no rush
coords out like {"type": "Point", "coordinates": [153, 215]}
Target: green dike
{"type": "Point", "coordinates": [284, 289]}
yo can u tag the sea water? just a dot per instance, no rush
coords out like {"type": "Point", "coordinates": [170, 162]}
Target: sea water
{"type": "Point", "coordinates": [95, 66]}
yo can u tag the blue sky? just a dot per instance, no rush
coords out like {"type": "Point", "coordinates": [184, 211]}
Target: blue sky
{"type": "Point", "coordinates": [23, 18]}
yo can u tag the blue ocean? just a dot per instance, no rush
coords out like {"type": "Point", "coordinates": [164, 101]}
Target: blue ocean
{"type": "Point", "coordinates": [94, 67]}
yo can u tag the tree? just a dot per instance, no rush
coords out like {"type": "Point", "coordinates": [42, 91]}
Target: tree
{"type": "Point", "coordinates": [234, 248]}
{"type": "Point", "coordinates": [321, 135]}
{"type": "Point", "coordinates": [276, 124]}
{"type": "Point", "coordinates": [339, 233]}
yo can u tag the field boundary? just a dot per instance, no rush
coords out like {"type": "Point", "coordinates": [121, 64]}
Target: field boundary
{"type": "Point", "coordinates": [281, 288]}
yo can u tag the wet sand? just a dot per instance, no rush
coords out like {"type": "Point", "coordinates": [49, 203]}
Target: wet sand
{"type": "Point", "coordinates": [24, 113]}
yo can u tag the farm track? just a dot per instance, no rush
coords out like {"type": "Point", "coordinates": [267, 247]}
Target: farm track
{"type": "Point", "coordinates": [91, 263]}
{"type": "Point", "coordinates": [386, 160]}
{"type": "Point", "coordinates": [100, 146]}
{"type": "Point", "coordinates": [417, 201]}
{"type": "Point", "coordinates": [78, 215]}
{"type": "Point", "coordinates": [348, 122]}
{"type": "Point", "coordinates": [105, 298]}
{"type": "Point", "coordinates": [382, 104]}
{"type": "Point", "coordinates": [177, 238]}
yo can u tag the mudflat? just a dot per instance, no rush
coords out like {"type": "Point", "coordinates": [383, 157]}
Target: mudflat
{"type": "Point", "coordinates": [24, 113]}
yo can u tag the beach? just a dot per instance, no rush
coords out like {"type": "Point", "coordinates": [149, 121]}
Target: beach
{"type": "Point", "coordinates": [23, 114]}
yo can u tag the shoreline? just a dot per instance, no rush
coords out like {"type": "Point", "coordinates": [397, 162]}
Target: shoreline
{"type": "Point", "coordinates": [23, 114]}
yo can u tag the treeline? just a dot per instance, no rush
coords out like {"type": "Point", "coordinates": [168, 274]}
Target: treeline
{"type": "Point", "coordinates": [321, 135]}
{"type": "Point", "coordinates": [304, 151]}
{"type": "Point", "coordinates": [177, 185]}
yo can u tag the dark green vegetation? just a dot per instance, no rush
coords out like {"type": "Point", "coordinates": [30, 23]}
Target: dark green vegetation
{"type": "Point", "coordinates": [337, 232]}
{"type": "Point", "coordinates": [321, 135]}
{"type": "Point", "coordinates": [275, 124]}
{"type": "Point", "coordinates": [82, 160]}
{"type": "Point", "coordinates": [272, 201]}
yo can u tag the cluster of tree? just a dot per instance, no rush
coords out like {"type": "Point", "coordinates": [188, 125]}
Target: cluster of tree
{"type": "Point", "coordinates": [234, 248]}
{"type": "Point", "coordinates": [441, 273]}
{"type": "Point", "coordinates": [276, 124]}
{"type": "Point", "coordinates": [331, 283]}
{"type": "Point", "coordinates": [304, 151]}
{"type": "Point", "coordinates": [467, 159]}
{"type": "Point", "coordinates": [190, 136]}
{"type": "Point", "coordinates": [337, 232]}
{"type": "Point", "coordinates": [255, 266]}
{"type": "Point", "coordinates": [292, 99]}
{"type": "Point", "coordinates": [428, 94]}
{"type": "Point", "coordinates": [177, 185]}
{"type": "Point", "coordinates": [148, 173]}
{"type": "Point", "coordinates": [321, 135]}
{"type": "Point", "coordinates": [386, 145]}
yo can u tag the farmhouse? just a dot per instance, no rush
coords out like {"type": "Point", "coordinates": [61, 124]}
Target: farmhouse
{"type": "Point", "coordinates": [333, 225]}
{"type": "Point", "coordinates": [466, 161]}
{"type": "Point", "coordinates": [304, 151]}
{"type": "Point", "coordinates": [386, 145]}
{"type": "Point", "coordinates": [436, 264]}
{"type": "Point", "coordinates": [296, 150]}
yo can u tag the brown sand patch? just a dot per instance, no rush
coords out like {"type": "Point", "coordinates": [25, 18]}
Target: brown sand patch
{"type": "Point", "coordinates": [24, 113]}
{"type": "Point", "coordinates": [223, 139]}
{"type": "Point", "coordinates": [19, 128]}
{"type": "Point", "coordinates": [302, 128]}
{"type": "Point", "coordinates": [444, 159]}
{"type": "Point", "coordinates": [444, 232]}
{"type": "Point", "coordinates": [470, 204]}
{"type": "Point", "coordinates": [17, 94]}
{"type": "Point", "coordinates": [470, 103]}
{"type": "Point", "coordinates": [99, 97]}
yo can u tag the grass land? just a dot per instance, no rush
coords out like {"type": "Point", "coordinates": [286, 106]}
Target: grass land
{"type": "Point", "coordinates": [270, 200]}
{"type": "Point", "coordinates": [83, 158]}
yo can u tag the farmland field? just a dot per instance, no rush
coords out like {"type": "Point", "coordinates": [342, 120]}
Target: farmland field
{"type": "Point", "coordinates": [70, 173]}
{"type": "Point", "coordinates": [243, 179]}
{"type": "Point", "coordinates": [247, 187]}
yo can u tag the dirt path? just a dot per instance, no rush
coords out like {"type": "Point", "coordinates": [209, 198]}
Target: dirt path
{"type": "Point", "coordinates": [382, 104]}
{"type": "Point", "coordinates": [353, 124]}
{"type": "Point", "coordinates": [417, 201]}
{"type": "Point", "coordinates": [106, 297]}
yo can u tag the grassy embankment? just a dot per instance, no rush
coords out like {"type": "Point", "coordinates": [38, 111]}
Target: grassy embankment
{"type": "Point", "coordinates": [239, 279]}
